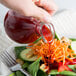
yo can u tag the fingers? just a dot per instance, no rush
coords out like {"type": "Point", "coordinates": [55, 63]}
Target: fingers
{"type": "Point", "coordinates": [48, 5]}
{"type": "Point", "coordinates": [41, 14]}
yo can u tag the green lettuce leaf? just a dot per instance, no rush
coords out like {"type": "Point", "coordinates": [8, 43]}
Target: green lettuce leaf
{"type": "Point", "coordinates": [54, 72]}
{"type": "Point", "coordinates": [67, 73]}
{"type": "Point", "coordinates": [18, 50]}
{"type": "Point", "coordinates": [73, 39]}
{"type": "Point", "coordinates": [25, 65]}
{"type": "Point", "coordinates": [34, 67]}
{"type": "Point", "coordinates": [41, 73]}
{"type": "Point", "coordinates": [56, 36]}
{"type": "Point", "coordinates": [72, 67]}
{"type": "Point", "coordinates": [18, 73]}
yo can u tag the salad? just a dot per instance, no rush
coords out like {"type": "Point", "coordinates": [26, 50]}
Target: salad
{"type": "Point", "coordinates": [44, 59]}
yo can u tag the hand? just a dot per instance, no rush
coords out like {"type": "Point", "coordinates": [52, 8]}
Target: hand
{"type": "Point", "coordinates": [42, 9]}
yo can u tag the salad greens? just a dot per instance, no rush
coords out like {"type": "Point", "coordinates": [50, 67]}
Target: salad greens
{"type": "Point", "coordinates": [55, 72]}
{"type": "Point", "coordinates": [73, 67]}
{"type": "Point", "coordinates": [67, 73]}
{"type": "Point", "coordinates": [18, 73]}
{"type": "Point", "coordinates": [25, 65]}
{"type": "Point", "coordinates": [73, 39]}
{"type": "Point", "coordinates": [18, 50]}
{"type": "Point", "coordinates": [34, 67]}
{"type": "Point", "coordinates": [41, 73]}
{"type": "Point", "coordinates": [56, 36]}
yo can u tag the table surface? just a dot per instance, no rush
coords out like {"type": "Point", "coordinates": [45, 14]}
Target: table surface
{"type": "Point", "coordinates": [66, 4]}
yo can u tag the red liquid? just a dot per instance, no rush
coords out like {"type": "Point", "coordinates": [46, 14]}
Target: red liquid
{"type": "Point", "coordinates": [48, 36]}
{"type": "Point", "coordinates": [46, 33]}
{"type": "Point", "coordinates": [23, 29]}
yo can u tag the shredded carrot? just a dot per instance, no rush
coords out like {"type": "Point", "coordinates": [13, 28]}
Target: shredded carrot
{"type": "Point", "coordinates": [58, 51]}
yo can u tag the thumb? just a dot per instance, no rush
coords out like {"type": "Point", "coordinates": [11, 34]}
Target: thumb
{"type": "Point", "coordinates": [42, 15]}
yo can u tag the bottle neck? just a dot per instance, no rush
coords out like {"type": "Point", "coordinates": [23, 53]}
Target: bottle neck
{"type": "Point", "coordinates": [46, 31]}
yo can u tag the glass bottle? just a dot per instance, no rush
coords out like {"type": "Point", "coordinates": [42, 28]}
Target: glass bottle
{"type": "Point", "coordinates": [23, 29]}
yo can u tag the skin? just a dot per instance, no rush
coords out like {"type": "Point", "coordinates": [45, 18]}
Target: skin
{"type": "Point", "coordinates": [41, 9]}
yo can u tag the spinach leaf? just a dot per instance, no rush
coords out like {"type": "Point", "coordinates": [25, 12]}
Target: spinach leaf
{"type": "Point", "coordinates": [41, 73]}
{"type": "Point", "coordinates": [72, 67]}
{"type": "Point", "coordinates": [34, 67]}
{"type": "Point", "coordinates": [73, 39]}
{"type": "Point", "coordinates": [18, 73]}
{"type": "Point", "coordinates": [56, 37]}
{"type": "Point", "coordinates": [25, 65]}
{"type": "Point", "coordinates": [54, 72]}
{"type": "Point", "coordinates": [18, 50]}
{"type": "Point", "coordinates": [70, 47]}
{"type": "Point", "coordinates": [67, 73]}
